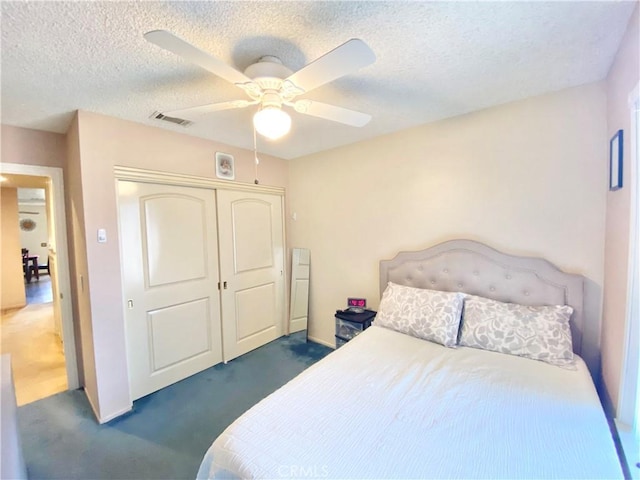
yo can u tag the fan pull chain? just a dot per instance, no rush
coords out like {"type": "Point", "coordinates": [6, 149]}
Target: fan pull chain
{"type": "Point", "coordinates": [255, 155]}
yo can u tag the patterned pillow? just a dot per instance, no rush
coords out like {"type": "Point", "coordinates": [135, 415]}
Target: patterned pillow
{"type": "Point", "coordinates": [427, 314]}
{"type": "Point", "coordinates": [540, 333]}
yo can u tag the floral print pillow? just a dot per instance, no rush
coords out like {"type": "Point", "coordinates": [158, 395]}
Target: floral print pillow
{"type": "Point", "coordinates": [427, 314]}
{"type": "Point", "coordinates": [541, 333]}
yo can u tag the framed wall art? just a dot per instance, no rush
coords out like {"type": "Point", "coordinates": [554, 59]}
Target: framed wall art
{"type": "Point", "coordinates": [615, 161]}
{"type": "Point", "coordinates": [224, 166]}
{"type": "Point", "coordinates": [27, 225]}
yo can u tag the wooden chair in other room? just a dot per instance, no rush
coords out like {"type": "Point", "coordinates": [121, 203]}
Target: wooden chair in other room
{"type": "Point", "coordinates": [29, 266]}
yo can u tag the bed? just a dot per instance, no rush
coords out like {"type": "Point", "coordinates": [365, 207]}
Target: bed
{"type": "Point", "coordinates": [389, 404]}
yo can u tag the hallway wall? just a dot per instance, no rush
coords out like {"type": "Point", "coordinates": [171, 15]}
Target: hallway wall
{"type": "Point", "coordinates": [12, 292]}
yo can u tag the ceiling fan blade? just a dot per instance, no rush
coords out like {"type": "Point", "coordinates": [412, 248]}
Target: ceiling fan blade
{"type": "Point", "coordinates": [342, 60]}
{"type": "Point", "coordinates": [331, 112]}
{"type": "Point", "coordinates": [170, 42]}
{"type": "Point", "coordinates": [204, 109]}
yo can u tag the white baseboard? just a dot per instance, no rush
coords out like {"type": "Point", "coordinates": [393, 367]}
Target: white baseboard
{"type": "Point", "coordinates": [108, 418]}
{"type": "Point", "coordinates": [114, 415]}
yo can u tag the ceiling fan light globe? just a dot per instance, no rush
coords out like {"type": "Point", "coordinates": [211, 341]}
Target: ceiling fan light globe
{"type": "Point", "coordinates": [272, 122]}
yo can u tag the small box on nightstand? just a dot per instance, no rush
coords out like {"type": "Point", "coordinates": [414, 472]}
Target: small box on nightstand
{"type": "Point", "coordinates": [349, 324]}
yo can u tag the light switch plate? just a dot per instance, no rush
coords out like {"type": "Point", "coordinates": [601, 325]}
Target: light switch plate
{"type": "Point", "coordinates": [102, 235]}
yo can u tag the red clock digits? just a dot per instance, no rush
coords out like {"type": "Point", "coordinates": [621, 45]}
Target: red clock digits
{"type": "Point", "coordinates": [357, 302]}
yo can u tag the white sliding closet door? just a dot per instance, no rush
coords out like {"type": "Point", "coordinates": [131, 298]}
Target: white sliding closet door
{"type": "Point", "coordinates": [170, 280]}
{"type": "Point", "coordinates": [251, 268]}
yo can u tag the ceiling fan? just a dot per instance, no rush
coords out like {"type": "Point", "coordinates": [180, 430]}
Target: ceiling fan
{"type": "Point", "coordinates": [271, 85]}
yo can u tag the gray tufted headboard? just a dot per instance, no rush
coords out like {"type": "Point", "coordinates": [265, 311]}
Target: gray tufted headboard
{"type": "Point", "coordinates": [472, 267]}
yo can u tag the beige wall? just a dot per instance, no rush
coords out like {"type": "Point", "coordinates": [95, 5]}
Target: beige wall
{"type": "Point", "coordinates": [33, 147]}
{"type": "Point", "coordinates": [78, 268]}
{"type": "Point", "coordinates": [12, 286]}
{"type": "Point", "coordinates": [104, 142]}
{"type": "Point", "coordinates": [526, 178]}
{"type": "Point", "coordinates": [623, 78]}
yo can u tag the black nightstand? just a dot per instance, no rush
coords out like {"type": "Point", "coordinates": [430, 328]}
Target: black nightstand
{"type": "Point", "coordinates": [349, 324]}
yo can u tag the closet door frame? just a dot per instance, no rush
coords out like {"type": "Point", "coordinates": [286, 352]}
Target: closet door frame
{"type": "Point", "coordinates": [166, 178]}
{"type": "Point", "coordinates": [179, 179]}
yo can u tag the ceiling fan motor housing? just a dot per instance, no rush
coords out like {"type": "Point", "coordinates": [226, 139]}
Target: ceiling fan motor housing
{"type": "Point", "coordinates": [268, 72]}
{"type": "Point", "coordinates": [271, 99]}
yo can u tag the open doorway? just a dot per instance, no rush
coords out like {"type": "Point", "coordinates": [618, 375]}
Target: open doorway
{"type": "Point", "coordinates": [37, 327]}
{"type": "Point", "coordinates": [31, 334]}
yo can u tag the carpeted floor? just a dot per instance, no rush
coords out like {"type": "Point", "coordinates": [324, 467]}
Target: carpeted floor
{"type": "Point", "coordinates": [168, 432]}
{"type": "Point", "coordinates": [28, 335]}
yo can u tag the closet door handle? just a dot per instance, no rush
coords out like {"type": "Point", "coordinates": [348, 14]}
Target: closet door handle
{"type": "Point", "coordinates": [224, 285]}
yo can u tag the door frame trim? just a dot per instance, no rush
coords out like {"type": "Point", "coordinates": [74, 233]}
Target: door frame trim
{"type": "Point", "coordinates": [55, 174]}
{"type": "Point", "coordinates": [179, 179]}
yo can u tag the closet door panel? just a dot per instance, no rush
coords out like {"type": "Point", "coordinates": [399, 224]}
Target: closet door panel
{"type": "Point", "coordinates": [255, 310]}
{"type": "Point", "coordinates": [178, 333]}
{"type": "Point", "coordinates": [252, 269]}
{"type": "Point", "coordinates": [172, 257]}
{"type": "Point", "coordinates": [252, 235]}
{"type": "Point", "coordinates": [168, 238]}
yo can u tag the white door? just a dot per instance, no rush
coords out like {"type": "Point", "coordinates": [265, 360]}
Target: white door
{"type": "Point", "coordinates": [170, 279]}
{"type": "Point", "coordinates": [251, 269]}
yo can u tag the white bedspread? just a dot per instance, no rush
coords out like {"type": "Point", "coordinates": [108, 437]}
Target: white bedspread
{"type": "Point", "coordinates": [387, 405]}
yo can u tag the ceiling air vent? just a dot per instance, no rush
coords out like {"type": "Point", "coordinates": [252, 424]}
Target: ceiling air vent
{"type": "Point", "coordinates": [177, 121]}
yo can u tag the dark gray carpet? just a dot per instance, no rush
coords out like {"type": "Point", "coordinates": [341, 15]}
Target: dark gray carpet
{"type": "Point", "coordinates": [168, 432]}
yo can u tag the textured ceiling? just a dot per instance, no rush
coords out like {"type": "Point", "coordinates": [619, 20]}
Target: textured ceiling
{"type": "Point", "coordinates": [434, 60]}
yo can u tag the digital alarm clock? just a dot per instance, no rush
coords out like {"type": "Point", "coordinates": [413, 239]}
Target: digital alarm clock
{"type": "Point", "coordinates": [356, 305]}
